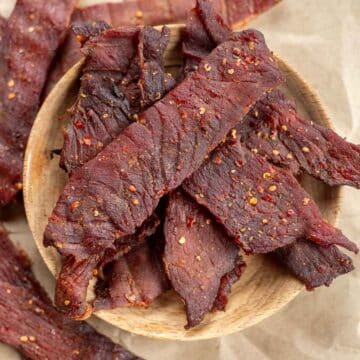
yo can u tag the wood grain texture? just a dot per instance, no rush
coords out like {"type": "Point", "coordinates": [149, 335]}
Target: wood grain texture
{"type": "Point", "coordinates": [264, 288]}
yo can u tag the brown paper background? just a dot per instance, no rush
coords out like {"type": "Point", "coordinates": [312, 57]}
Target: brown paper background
{"type": "Point", "coordinates": [321, 39]}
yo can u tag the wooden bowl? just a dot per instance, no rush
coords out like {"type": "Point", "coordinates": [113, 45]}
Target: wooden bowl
{"type": "Point", "coordinates": [264, 288]}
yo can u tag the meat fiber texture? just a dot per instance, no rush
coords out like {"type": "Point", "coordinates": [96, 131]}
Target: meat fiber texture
{"type": "Point", "coordinates": [131, 12]}
{"type": "Point", "coordinates": [262, 207]}
{"type": "Point", "coordinates": [314, 265]}
{"type": "Point", "coordinates": [200, 259]}
{"type": "Point", "coordinates": [30, 323]}
{"type": "Point", "coordinates": [123, 74]}
{"type": "Point", "coordinates": [31, 38]}
{"type": "Point", "coordinates": [279, 134]}
{"type": "Point", "coordinates": [204, 29]}
{"type": "Point", "coordinates": [135, 279]}
{"type": "Point", "coordinates": [154, 156]}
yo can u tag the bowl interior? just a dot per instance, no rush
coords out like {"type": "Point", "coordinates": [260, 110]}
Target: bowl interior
{"type": "Point", "coordinates": [264, 287]}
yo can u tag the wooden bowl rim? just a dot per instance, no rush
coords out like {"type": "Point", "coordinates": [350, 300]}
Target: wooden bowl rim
{"type": "Point", "coordinates": [311, 98]}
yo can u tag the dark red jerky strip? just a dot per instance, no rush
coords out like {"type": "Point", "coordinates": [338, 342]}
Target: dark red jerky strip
{"type": "Point", "coordinates": [241, 11]}
{"type": "Point", "coordinates": [262, 207]}
{"type": "Point", "coordinates": [275, 130]}
{"type": "Point", "coordinates": [312, 264]}
{"type": "Point", "coordinates": [198, 257]}
{"type": "Point", "coordinates": [2, 27]}
{"type": "Point", "coordinates": [205, 29]}
{"type": "Point", "coordinates": [81, 271]}
{"type": "Point", "coordinates": [155, 155]}
{"type": "Point", "coordinates": [123, 74]}
{"type": "Point", "coordinates": [30, 323]}
{"type": "Point", "coordinates": [135, 279]}
{"type": "Point", "coordinates": [31, 37]}
{"type": "Point", "coordinates": [299, 254]}
{"type": "Point", "coordinates": [150, 13]}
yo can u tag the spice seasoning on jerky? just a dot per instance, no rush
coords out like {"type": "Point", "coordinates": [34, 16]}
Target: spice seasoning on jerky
{"type": "Point", "coordinates": [31, 324]}
{"type": "Point", "coordinates": [277, 132]}
{"type": "Point", "coordinates": [199, 258]}
{"type": "Point", "coordinates": [30, 39]}
{"type": "Point", "coordinates": [156, 154]}
{"type": "Point", "coordinates": [262, 207]}
{"type": "Point", "coordinates": [123, 74]}
{"type": "Point", "coordinates": [271, 110]}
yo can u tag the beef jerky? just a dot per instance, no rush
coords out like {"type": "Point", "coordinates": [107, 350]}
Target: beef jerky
{"type": "Point", "coordinates": [262, 207]}
{"type": "Point", "coordinates": [124, 183]}
{"type": "Point", "coordinates": [148, 13]}
{"type": "Point", "coordinates": [239, 12]}
{"type": "Point", "coordinates": [312, 264]}
{"type": "Point", "coordinates": [123, 74]}
{"type": "Point", "coordinates": [298, 257]}
{"type": "Point", "coordinates": [205, 29]}
{"type": "Point", "coordinates": [135, 279]}
{"type": "Point", "coordinates": [198, 257]}
{"type": "Point", "coordinates": [275, 130]}
{"type": "Point", "coordinates": [2, 27]}
{"type": "Point", "coordinates": [30, 323]}
{"type": "Point", "coordinates": [31, 37]}
{"type": "Point", "coordinates": [82, 271]}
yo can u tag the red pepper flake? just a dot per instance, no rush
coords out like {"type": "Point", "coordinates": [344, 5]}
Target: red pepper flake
{"type": "Point", "coordinates": [74, 205]}
{"type": "Point", "coordinates": [251, 45]}
{"type": "Point", "coordinates": [230, 71]}
{"type": "Point", "coordinates": [217, 160]}
{"type": "Point", "coordinates": [79, 124]}
{"type": "Point", "coordinates": [11, 96]}
{"type": "Point", "coordinates": [139, 14]}
{"type": "Point", "coordinates": [87, 140]}
{"type": "Point", "coordinates": [276, 152]}
{"type": "Point", "coordinates": [190, 221]}
{"type": "Point", "coordinates": [290, 212]}
{"type": "Point", "coordinates": [272, 188]}
{"type": "Point", "coordinates": [207, 67]}
{"type": "Point", "coordinates": [66, 302]}
{"type": "Point", "coordinates": [306, 201]}
{"type": "Point", "coordinates": [135, 201]}
{"type": "Point", "coordinates": [11, 83]}
{"type": "Point", "coordinates": [253, 201]}
{"type": "Point", "coordinates": [182, 240]}
{"type": "Point", "coordinates": [305, 149]}
{"type": "Point", "coordinates": [132, 188]}
{"type": "Point", "coordinates": [183, 114]}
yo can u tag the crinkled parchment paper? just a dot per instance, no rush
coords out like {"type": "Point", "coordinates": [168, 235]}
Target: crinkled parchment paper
{"type": "Point", "coordinates": [319, 38]}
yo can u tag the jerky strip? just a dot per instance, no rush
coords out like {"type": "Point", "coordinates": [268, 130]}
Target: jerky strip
{"type": "Point", "coordinates": [33, 326]}
{"type": "Point", "coordinates": [275, 130]}
{"type": "Point", "coordinates": [123, 74]}
{"type": "Point", "coordinates": [197, 38]}
{"type": "Point", "coordinates": [148, 13]}
{"type": "Point", "coordinates": [31, 37]}
{"type": "Point", "coordinates": [198, 257]}
{"type": "Point", "coordinates": [262, 207]}
{"type": "Point", "coordinates": [135, 279]}
{"type": "Point", "coordinates": [314, 265]}
{"type": "Point", "coordinates": [150, 158]}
